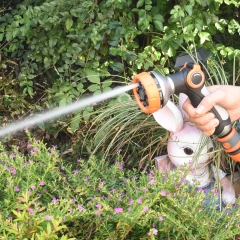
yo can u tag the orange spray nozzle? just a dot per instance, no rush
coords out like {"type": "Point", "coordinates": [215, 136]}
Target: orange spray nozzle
{"type": "Point", "coordinates": [147, 93]}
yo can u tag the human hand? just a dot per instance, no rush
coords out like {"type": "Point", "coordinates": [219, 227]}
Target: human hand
{"type": "Point", "coordinates": [224, 95]}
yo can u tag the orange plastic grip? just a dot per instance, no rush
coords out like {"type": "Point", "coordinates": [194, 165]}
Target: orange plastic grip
{"type": "Point", "coordinates": [231, 144]}
{"type": "Point", "coordinates": [153, 95]}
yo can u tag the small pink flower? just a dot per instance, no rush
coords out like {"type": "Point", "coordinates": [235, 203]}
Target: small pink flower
{"type": "Point", "coordinates": [139, 201]}
{"type": "Point", "coordinates": [155, 231]}
{"type": "Point", "coordinates": [16, 189]}
{"type": "Point", "coordinates": [75, 171]}
{"type": "Point", "coordinates": [98, 213]}
{"type": "Point", "coordinates": [160, 218]}
{"type": "Point", "coordinates": [145, 209]}
{"type": "Point", "coordinates": [55, 200]}
{"type": "Point", "coordinates": [48, 218]}
{"type": "Point", "coordinates": [130, 202]}
{"type": "Point", "coordinates": [152, 182]}
{"type": "Point", "coordinates": [118, 210]}
{"type": "Point", "coordinates": [41, 183]}
{"type": "Point", "coordinates": [163, 193]}
{"type": "Point", "coordinates": [14, 171]}
{"type": "Point", "coordinates": [80, 207]}
{"type": "Point", "coordinates": [120, 166]}
{"type": "Point", "coordinates": [151, 175]}
{"type": "Point", "coordinates": [30, 210]}
{"type": "Point", "coordinates": [33, 187]}
{"type": "Point", "coordinates": [99, 206]}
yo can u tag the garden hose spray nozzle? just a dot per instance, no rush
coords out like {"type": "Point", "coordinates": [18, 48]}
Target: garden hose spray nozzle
{"type": "Point", "coordinates": [155, 90]}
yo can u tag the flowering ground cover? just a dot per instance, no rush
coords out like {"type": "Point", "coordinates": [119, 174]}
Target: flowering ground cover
{"type": "Point", "coordinates": [44, 197]}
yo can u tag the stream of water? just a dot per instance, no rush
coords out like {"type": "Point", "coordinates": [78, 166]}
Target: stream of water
{"type": "Point", "coordinates": [49, 115]}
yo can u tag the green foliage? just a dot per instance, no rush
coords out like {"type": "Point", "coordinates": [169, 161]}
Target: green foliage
{"type": "Point", "coordinates": [68, 48]}
{"type": "Point", "coordinates": [43, 197]}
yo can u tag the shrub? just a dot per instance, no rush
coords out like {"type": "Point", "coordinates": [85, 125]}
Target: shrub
{"type": "Point", "coordinates": [43, 197]}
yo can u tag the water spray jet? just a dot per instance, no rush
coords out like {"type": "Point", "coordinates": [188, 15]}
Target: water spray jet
{"type": "Point", "coordinates": [54, 113]}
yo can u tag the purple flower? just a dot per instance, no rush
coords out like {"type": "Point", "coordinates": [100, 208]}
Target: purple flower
{"type": "Point", "coordinates": [75, 171]}
{"type": "Point", "coordinates": [33, 187]}
{"type": "Point", "coordinates": [160, 218]}
{"type": "Point", "coordinates": [41, 183]}
{"type": "Point", "coordinates": [70, 210]}
{"type": "Point", "coordinates": [26, 128]}
{"type": "Point", "coordinates": [139, 201]}
{"type": "Point", "coordinates": [48, 218]}
{"type": "Point", "coordinates": [130, 202]}
{"type": "Point", "coordinates": [99, 206]}
{"type": "Point", "coordinates": [86, 178]}
{"type": "Point", "coordinates": [80, 207]}
{"type": "Point", "coordinates": [120, 166]}
{"type": "Point", "coordinates": [151, 175]}
{"type": "Point", "coordinates": [119, 150]}
{"type": "Point", "coordinates": [155, 231]}
{"type": "Point", "coordinates": [34, 150]}
{"type": "Point", "coordinates": [152, 182]}
{"type": "Point", "coordinates": [52, 152]}
{"type": "Point", "coordinates": [145, 209]}
{"type": "Point", "coordinates": [14, 171]}
{"type": "Point", "coordinates": [79, 160]}
{"type": "Point", "coordinates": [163, 193]}
{"type": "Point", "coordinates": [55, 200]}
{"type": "Point", "coordinates": [118, 210]}
{"type": "Point", "coordinates": [30, 210]}
{"type": "Point", "coordinates": [28, 145]}
{"type": "Point", "coordinates": [98, 213]}
{"type": "Point", "coordinates": [16, 189]}
{"type": "Point", "coordinates": [73, 200]}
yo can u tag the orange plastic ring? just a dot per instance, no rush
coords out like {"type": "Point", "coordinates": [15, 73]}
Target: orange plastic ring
{"type": "Point", "coordinates": [154, 100]}
{"type": "Point", "coordinates": [196, 69]}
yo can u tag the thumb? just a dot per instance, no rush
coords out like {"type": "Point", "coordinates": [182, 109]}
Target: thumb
{"type": "Point", "coordinates": [209, 101]}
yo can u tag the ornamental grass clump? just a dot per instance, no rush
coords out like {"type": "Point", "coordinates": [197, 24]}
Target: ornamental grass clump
{"type": "Point", "coordinates": [44, 197]}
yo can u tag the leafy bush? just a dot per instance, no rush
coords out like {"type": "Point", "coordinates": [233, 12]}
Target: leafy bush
{"type": "Point", "coordinates": [43, 197]}
{"type": "Point", "coordinates": [70, 47]}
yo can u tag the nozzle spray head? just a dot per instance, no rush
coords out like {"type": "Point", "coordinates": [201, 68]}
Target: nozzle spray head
{"type": "Point", "coordinates": [153, 91]}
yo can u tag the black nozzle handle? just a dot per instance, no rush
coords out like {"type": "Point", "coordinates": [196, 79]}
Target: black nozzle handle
{"type": "Point", "coordinates": [191, 82]}
{"type": "Point", "coordinates": [196, 96]}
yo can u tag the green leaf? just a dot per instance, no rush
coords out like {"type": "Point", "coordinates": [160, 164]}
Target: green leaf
{"type": "Point", "coordinates": [52, 42]}
{"type": "Point", "coordinates": [75, 123]}
{"type": "Point", "coordinates": [118, 67]}
{"type": "Point", "coordinates": [140, 3]}
{"type": "Point", "coordinates": [63, 102]}
{"type": "Point", "coordinates": [204, 36]}
{"type": "Point", "coordinates": [47, 62]}
{"type": "Point", "coordinates": [49, 228]}
{"type": "Point", "coordinates": [92, 76]}
{"type": "Point", "coordinates": [188, 9]}
{"type": "Point", "coordinates": [107, 83]}
{"type": "Point", "coordinates": [158, 21]}
{"type": "Point", "coordinates": [69, 23]}
{"type": "Point", "coordinates": [93, 87]}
